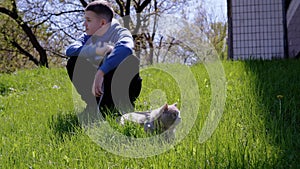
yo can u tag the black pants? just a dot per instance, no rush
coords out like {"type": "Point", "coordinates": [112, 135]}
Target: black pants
{"type": "Point", "coordinates": [82, 73]}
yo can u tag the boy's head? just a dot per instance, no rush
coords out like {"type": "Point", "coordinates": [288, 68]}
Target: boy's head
{"type": "Point", "coordinates": [97, 14]}
{"type": "Point", "coordinates": [102, 8]}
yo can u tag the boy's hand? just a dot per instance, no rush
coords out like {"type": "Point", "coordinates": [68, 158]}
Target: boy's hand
{"type": "Point", "coordinates": [98, 82]}
{"type": "Point", "coordinates": [103, 51]}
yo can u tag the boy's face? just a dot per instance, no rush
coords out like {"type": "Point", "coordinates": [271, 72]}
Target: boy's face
{"type": "Point", "coordinates": [92, 22]}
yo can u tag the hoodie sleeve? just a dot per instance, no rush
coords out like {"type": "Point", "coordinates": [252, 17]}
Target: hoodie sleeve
{"type": "Point", "coordinates": [122, 49]}
{"type": "Point", "coordinates": [79, 48]}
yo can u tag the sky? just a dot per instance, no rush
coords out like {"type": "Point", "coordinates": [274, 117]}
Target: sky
{"type": "Point", "coordinates": [217, 8]}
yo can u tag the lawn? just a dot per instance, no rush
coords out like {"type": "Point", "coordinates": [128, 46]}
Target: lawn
{"type": "Point", "coordinates": [259, 127]}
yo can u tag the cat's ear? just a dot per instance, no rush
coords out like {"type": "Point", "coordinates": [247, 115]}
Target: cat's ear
{"type": "Point", "coordinates": [175, 104]}
{"type": "Point", "coordinates": [154, 114]}
{"type": "Point", "coordinates": [165, 107]}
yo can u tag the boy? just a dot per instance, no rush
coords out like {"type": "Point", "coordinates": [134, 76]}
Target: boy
{"type": "Point", "coordinates": [95, 56]}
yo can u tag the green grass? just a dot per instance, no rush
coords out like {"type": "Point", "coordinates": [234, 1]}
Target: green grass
{"type": "Point", "coordinates": [258, 129]}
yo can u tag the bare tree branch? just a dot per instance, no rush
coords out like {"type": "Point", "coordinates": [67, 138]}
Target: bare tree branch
{"type": "Point", "coordinates": [14, 15]}
{"type": "Point", "coordinates": [84, 4]}
{"type": "Point", "coordinates": [143, 6]}
{"type": "Point", "coordinates": [121, 7]}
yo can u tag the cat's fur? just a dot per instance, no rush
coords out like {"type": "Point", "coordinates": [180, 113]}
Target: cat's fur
{"type": "Point", "coordinates": [163, 119]}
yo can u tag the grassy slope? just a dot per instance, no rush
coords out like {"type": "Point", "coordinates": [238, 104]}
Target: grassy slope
{"type": "Point", "coordinates": [257, 130]}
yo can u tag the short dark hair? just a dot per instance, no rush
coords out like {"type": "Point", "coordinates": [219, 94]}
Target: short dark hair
{"type": "Point", "coordinates": [101, 8]}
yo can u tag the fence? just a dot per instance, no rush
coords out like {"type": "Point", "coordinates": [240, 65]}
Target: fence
{"type": "Point", "coordinates": [257, 29]}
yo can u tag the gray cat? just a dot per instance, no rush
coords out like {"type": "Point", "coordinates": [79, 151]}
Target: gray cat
{"type": "Point", "coordinates": [163, 119]}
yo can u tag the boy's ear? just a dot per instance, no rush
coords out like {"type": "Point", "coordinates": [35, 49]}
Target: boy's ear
{"type": "Point", "coordinates": [103, 22]}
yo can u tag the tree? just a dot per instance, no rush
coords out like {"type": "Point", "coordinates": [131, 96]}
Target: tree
{"type": "Point", "coordinates": [36, 31]}
{"type": "Point", "coordinates": [214, 27]}
{"type": "Point", "coordinates": [142, 20]}
{"type": "Point", "coordinates": [12, 13]}
{"type": "Point", "coordinates": [56, 23]}
{"type": "Point", "coordinates": [217, 35]}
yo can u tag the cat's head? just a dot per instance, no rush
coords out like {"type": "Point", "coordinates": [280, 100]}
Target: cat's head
{"type": "Point", "coordinates": [170, 116]}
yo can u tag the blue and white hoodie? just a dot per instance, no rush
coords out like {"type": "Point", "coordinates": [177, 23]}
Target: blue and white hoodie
{"type": "Point", "coordinates": [116, 35]}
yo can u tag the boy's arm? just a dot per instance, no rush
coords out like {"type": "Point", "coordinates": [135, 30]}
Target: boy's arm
{"type": "Point", "coordinates": [78, 48]}
{"type": "Point", "coordinates": [75, 48]}
{"type": "Point", "coordinates": [121, 50]}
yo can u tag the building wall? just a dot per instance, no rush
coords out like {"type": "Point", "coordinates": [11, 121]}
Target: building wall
{"type": "Point", "coordinates": [293, 26]}
{"type": "Point", "coordinates": [257, 29]}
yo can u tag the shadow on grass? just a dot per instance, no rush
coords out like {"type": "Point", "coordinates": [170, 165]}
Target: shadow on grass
{"type": "Point", "coordinates": [277, 84]}
{"type": "Point", "coordinates": [64, 125]}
